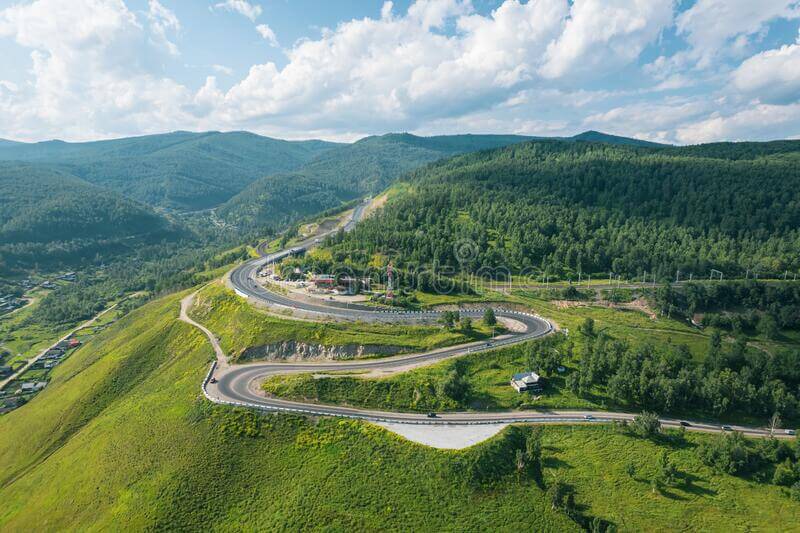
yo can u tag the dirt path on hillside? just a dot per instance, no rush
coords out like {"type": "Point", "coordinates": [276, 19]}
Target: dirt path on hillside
{"type": "Point", "coordinates": [186, 304]}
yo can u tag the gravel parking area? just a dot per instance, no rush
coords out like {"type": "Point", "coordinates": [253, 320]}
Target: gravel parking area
{"type": "Point", "coordinates": [445, 437]}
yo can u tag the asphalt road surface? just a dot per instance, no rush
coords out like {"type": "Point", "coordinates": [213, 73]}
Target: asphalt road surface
{"type": "Point", "coordinates": [240, 384]}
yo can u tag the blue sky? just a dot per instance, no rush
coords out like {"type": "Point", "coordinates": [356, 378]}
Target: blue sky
{"type": "Point", "coordinates": [684, 72]}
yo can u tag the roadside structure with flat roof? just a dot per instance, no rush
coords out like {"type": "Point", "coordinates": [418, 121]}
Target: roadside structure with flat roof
{"type": "Point", "coordinates": [526, 381]}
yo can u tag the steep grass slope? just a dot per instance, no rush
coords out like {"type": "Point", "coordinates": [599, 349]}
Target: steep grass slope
{"type": "Point", "coordinates": [240, 326]}
{"type": "Point", "coordinates": [121, 439]}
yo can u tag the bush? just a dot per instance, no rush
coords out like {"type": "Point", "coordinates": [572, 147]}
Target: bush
{"type": "Point", "coordinates": [794, 493]}
{"type": "Point", "coordinates": [726, 453]}
{"type": "Point", "coordinates": [646, 425]}
{"type": "Point", "coordinates": [784, 474]}
{"type": "Point", "coordinates": [587, 328]}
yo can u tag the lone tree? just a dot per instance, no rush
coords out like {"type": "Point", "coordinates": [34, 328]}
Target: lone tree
{"type": "Point", "coordinates": [449, 319]}
{"type": "Point", "coordinates": [519, 463]}
{"type": "Point", "coordinates": [466, 325]}
{"type": "Point", "coordinates": [587, 328]}
{"type": "Point", "coordinates": [774, 423]}
{"type": "Point", "coordinates": [667, 472]}
{"type": "Point", "coordinates": [561, 496]}
{"type": "Point", "coordinates": [768, 326]}
{"type": "Point", "coordinates": [533, 450]}
{"type": "Point", "coordinates": [488, 317]}
{"type": "Point", "coordinates": [646, 425]}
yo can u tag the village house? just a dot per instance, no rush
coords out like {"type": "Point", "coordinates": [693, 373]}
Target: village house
{"type": "Point", "coordinates": [526, 381]}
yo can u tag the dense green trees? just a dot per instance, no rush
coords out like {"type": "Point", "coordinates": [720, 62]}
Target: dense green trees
{"type": "Point", "coordinates": [563, 208]}
{"type": "Point", "coordinates": [732, 379]}
{"type": "Point", "coordinates": [345, 173]}
{"type": "Point", "coordinates": [49, 218]}
{"type": "Point", "coordinates": [735, 305]}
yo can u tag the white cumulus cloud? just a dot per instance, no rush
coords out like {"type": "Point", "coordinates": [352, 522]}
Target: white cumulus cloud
{"type": "Point", "coordinates": [714, 27]}
{"type": "Point", "coordinates": [89, 76]}
{"type": "Point", "coordinates": [605, 34]}
{"type": "Point", "coordinates": [251, 11]}
{"type": "Point", "coordinates": [163, 21]}
{"type": "Point", "coordinates": [267, 34]}
{"type": "Point", "coordinates": [772, 76]}
{"type": "Point", "coordinates": [535, 67]}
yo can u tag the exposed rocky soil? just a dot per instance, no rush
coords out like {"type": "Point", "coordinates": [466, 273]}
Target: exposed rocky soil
{"type": "Point", "coordinates": [302, 351]}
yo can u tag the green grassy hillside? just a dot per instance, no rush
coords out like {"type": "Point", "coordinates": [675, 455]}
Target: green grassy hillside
{"type": "Point", "coordinates": [180, 170]}
{"type": "Point", "coordinates": [240, 326]}
{"type": "Point", "coordinates": [121, 439]}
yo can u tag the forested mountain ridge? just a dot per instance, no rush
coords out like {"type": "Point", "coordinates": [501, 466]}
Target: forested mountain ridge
{"type": "Point", "coordinates": [561, 207]}
{"type": "Point", "coordinates": [49, 217]}
{"type": "Point", "coordinates": [364, 167]}
{"type": "Point", "coordinates": [180, 170]}
{"type": "Point", "coordinates": [597, 136]}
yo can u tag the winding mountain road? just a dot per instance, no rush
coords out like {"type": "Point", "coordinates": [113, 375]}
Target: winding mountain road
{"type": "Point", "coordinates": [239, 385]}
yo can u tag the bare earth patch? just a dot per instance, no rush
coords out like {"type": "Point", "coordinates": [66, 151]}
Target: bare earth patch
{"type": "Point", "coordinates": [566, 304]}
{"type": "Point", "coordinates": [640, 304]}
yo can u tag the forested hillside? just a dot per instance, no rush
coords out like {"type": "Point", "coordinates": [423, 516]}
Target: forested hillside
{"type": "Point", "coordinates": [562, 208]}
{"type": "Point", "coordinates": [181, 170]}
{"type": "Point", "coordinates": [49, 218]}
{"type": "Point", "coordinates": [345, 173]}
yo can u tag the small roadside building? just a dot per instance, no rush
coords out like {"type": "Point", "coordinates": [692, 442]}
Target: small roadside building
{"type": "Point", "coordinates": [324, 281]}
{"type": "Point", "coordinates": [526, 381]}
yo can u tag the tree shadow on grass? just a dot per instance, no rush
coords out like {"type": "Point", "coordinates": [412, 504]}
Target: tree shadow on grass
{"type": "Point", "coordinates": [689, 484]}
{"type": "Point", "coordinates": [555, 462]}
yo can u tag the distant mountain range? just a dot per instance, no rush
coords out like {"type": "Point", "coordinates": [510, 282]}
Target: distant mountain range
{"type": "Point", "coordinates": [66, 202]}
{"type": "Point", "coordinates": [600, 137]}
{"type": "Point", "coordinates": [364, 167]}
{"type": "Point", "coordinates": [347, 172]}
{"type": "Point", "coordinates": [180, 171]}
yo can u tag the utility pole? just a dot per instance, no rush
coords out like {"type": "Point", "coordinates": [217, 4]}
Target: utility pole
{"type": "Point", "coordinates": [589, 281]}
{"type": "Point", "coordinates": [610, 283]}
{"type": "Point", "coordinates": [677, 275]}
